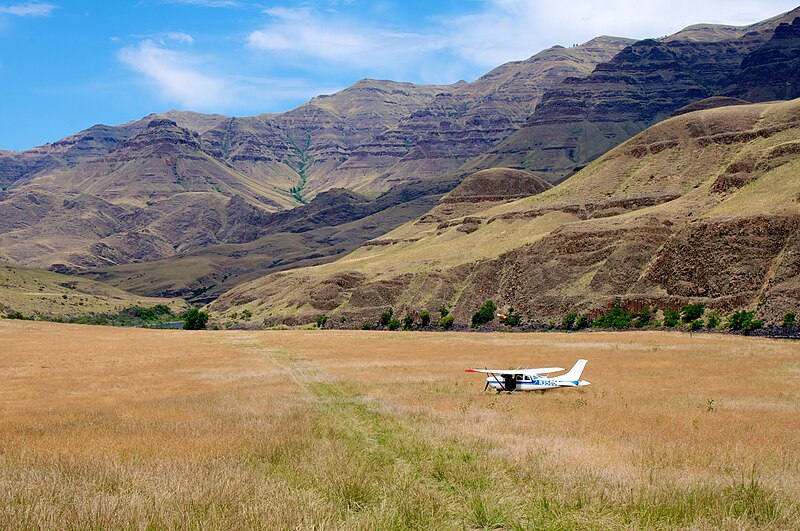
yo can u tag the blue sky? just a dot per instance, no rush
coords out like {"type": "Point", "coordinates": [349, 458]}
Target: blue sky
{"type": "Point", "coordinates": [66, 65]}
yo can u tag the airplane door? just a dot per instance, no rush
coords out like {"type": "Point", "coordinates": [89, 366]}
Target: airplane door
{"type": "Point", "coordinates": [509, 382]}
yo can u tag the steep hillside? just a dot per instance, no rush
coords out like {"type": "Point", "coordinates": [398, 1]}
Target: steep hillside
{"type": "Point", "coordinates": [582, 118]}
{"type": "Point", "coordinates": [331, 225]}
{"type": "Point", "coordinates": [468, 120]}
{"type": "Point", "coordinates": [702, 207]}
{"type": "Point", "coordinates": [41, 293]}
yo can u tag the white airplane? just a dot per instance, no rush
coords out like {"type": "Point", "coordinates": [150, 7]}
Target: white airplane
{"type": "Point", "coordinates": [533, 379]}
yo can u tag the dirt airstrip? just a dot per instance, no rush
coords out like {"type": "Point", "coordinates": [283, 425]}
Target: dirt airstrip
{"type": "Point", "coordinates": [119, 427]}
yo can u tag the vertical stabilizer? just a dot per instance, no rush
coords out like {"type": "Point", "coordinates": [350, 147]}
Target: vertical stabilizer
{"type": "Point", "coordinates": [574, 374]}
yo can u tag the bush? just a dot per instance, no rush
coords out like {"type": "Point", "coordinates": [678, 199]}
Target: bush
{"type": "Point", "coordinates": [195, 320]}
{"type": "Point", "coordinates": [569, 321]}
{"type": "Point", "coordinates": [485, 314]}
{"type": "Point", "coordinates": [246, 314]}
{"type": "Point", "coordinates": [408, 322]}
{"type": "Point", "coordinates": [444, 311]}
{"type": "Point", "coordinates": [386, 317]}
{"type": "Point", "coordinates": [18, 315]}
{"type": "Point", "coordinates": [321, 320]}
{"type": "Point", "coordinates": [692, 312]}
{"type": "Point", "coordinates": [366, 326]}
{"type": "Point", "coordinates": [789, 320]}
{"type": "Point", "coordinates": [713, 320]}
{"type": "Point", "coordinates": [446, 321]}
{"type": "Point", "coordinates": [424, 318]}
{"type": "Point", "coordinates": [696, 325]}
{"type": "Point", "coordinates": [671, 318]}
{"type": "Point", "coordinates": [643, 318]}
{"type": "Point", "coordinates": [744, 320]}
{"type": "Point", "coordinates": [582, 322]}
{"type": "Point", "coordinates": [616, 318]}
{"type": "Point", "coordinates": [393, 324]}
{"type": "Point", "coordinates": [513, 318]}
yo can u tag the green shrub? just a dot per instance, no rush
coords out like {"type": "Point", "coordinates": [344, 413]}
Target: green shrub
{"type": "Point", "coordinates": [393, 324]}
{"type": "Point", "coordinates": [616, 318]}
{"type": "Point", "coordinates": [744, 320]}
{"type": "Point", "coordinates": [692, 312]}
{"type": "Point", "coordinates": [444, 311]}
{"type": "Point", "coordinates": [696, 325]}
{"type": "Point", "coordinates": [424, 318]}
{"type": "Point", "coordinates": [386, 317]}
{"type": "Point", "coordinates": [366, 326]}
{"type": "Point", "coordinates": [195, 320]}
{"type": "Point", "coordinates": [408, 322]}
{"type": "Point", "coordinates": [246, 314]}
{"type": "Point", "coordinates": [485, 314]}
{"type": "Point", "coordinates": [569, 321]}
{"type": "Point", "coordinates": [582, 322]}
{"type": "Point", "coordinates": [671, 318]}
{"type": "Point", "coordinates": [513, 318]}
{"type": "Point", "coordinates": [789, 320]}
{"type": "Point", "coordinates": [643, 318]}
{"type": "Point", "coordinates": [321, 320]}
{"type": "Point", "coordinates": [18, 315]}
{"type": "Point", "coordinates": [713, 320]}
{"type": "Point", "coordinates": [446, 321]}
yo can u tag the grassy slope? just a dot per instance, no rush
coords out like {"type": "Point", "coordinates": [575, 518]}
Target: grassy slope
{"type": "Point", "coordinates": [683, 157]}
{"type": "Point", "coordinates": [33, 292]}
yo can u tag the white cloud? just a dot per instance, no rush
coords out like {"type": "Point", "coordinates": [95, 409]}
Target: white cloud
{"type": "Point", "coordinates": [29, 9]}
{"type": "Point", "coordinates": [176, 75]}
{"type": "Point", "coordinates": [304, 32]}
{"type": "Point", "coordinates": [179, 37]}
{"type": "Point", "coordinates": [497, 32]}
{"type": "Point", "coordinates": [515, 29]}
{"type": "Point", "coordinates": [182, 79]}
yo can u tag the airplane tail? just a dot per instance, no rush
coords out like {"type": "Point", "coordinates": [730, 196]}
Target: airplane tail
{"type": "Point", "coordinates": [574, 374]}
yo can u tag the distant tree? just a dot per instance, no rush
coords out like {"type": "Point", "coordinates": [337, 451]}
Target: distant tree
{"type": "Point", "coordinates": [671, 318]}
{"type": "Point", "coordinates": [446, 321]}
{"type": "Point", "coordinates": [366, 326]}
{"type": "Point", "coordinates": [789, 320]}
{"type": "Point", "coordinates": [712, 320]}
{"type": "Point", "coordinates": [321, 320]}
{"type": "Point", "coordinates": [744, 320]}
{"type": "Point", "coordinates": [696, 325]}
{"type": "Point", "coordinates": [569, 321]}
{"type": "Point", "coordinates": [513, 318]}
{"type": "Point", "coordinates": [692, 312]}
{"type": "Point", "coordinates": [393, 324]}
{"type": "Point", "coordinates": [444, 311]}
{"type": "Point", "coordinates": [195, 320]}
{"type": "Point", "coordinates": [582, 322]}
{"type": "Point", "coordinates": [386, 317]}
{"type": "Point", "coordinates": [485, 314]}
{"type": "Point", "coordinates": [408, 322]}
{"type": "Point", "coordinates": [246, 314]}
{"type": "Point", "coordinates": [643, 318]}
{"type": "Point", "coordinates": [424, 318]}
{"type": "Point", "coordinates": [616, 318]}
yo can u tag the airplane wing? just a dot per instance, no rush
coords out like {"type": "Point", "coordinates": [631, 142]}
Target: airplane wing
{"type": "Point", "coordinates": [530, 372]}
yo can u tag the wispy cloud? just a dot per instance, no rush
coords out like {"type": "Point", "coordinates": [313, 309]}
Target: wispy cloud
{"type": "Point", "coordinates": [304, 33]}
{"type": "Point", "coordinates": [183, 79]}
{"type": "Point", "coordinates": [29, 9]}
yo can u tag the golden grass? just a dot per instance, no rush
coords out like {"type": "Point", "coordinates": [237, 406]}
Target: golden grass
{"type": "Point", "coordinates": [105, 427]}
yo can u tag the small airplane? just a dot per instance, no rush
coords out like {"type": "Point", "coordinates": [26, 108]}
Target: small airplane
{"type": "Point", "coordinates": [511, 380]}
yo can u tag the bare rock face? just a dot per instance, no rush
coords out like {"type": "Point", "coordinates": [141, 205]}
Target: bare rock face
{"type": "Point", "coordinates": [772, 71]}
{"type": "Point", "coordinates": [582, 118]}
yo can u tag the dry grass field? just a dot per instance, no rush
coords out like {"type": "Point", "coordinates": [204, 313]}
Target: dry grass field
{"type": "Point", "coordinates": [128, 428]}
